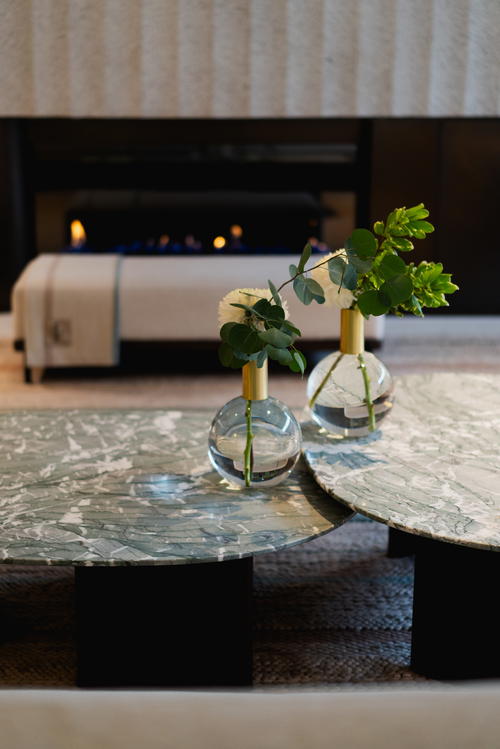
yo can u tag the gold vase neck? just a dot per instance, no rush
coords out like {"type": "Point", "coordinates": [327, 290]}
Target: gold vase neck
{"type": "Point", "coordinates": [254, 381]}
{"type": "Point", "coordinates": [352, 331]}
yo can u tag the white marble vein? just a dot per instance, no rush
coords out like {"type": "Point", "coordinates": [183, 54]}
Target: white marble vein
{"type": "Point", "coordinates": [136, 487]}
{"type": "Point", "coordinates": [433, 469]}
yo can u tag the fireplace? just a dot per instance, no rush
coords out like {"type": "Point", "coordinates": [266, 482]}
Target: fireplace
{"type": "Point", "coordinates": [189, 186]}
{"type": "Point", "coordinates": [192, 187]}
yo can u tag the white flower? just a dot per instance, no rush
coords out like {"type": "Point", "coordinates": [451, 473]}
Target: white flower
{"type": "Point", "coordinates": [227, 313]}
{"type": "Point", "coordinates": [335, 296]}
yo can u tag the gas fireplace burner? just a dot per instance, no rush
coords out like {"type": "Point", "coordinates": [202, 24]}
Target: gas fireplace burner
{"type": "Point", "coordinates": [193, 223]}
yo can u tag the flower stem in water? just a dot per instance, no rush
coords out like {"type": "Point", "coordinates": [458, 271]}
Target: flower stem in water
{"type": "Point", "coordinates": [368, 397]}
{"type": "Point", "coordinates": [248, 447]}
{"type": "Point", "coordinates": [323, 382]}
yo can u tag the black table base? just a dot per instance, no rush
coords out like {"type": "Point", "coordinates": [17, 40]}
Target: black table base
{"type": "Point", "coordinates": [400, 544]}
{"type": "Point", "coordinates": [455, 612]}
{"type": "Point", "coordinates": [165, 626]}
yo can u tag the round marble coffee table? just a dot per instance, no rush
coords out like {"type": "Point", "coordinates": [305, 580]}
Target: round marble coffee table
{"type": "Point", "coordinates": [162, 547]}
{"type": "Point", "coordinates": [433, 471]}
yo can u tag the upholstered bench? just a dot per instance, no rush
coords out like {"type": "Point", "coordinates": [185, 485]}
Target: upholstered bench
{"type": "Point", "coordinates": [159, 299]}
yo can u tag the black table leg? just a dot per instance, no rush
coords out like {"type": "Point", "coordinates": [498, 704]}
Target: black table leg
{"type": "Point", "coordinates": [169, 625]}
{"type": "Point", "coordinates": [400, 544]}
{"type": "Point", "coordinates": [455, 605]}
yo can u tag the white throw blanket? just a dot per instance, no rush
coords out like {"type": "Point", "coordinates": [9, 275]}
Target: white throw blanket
{"type": "Point", "coordinates": [66, 310]}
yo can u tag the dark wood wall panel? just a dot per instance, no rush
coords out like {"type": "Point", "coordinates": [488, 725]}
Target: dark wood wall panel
{"type": "Point", "coordinates": [405, 171]}
{"type": "Point", "coordinates": [5, 254]}
{"type": "Point", "coordinates": [453, 166]}
{"type": "Point", "coordinates": [470, 212]}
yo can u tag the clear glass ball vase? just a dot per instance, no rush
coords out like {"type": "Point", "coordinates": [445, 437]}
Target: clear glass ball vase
{"type": "Point", "coordinates": [276, 442]}
{"type": "Point", "coordinates": [336, 391]}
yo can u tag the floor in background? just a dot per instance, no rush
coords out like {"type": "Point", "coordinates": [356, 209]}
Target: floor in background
{"type": "Point", "coordinates": [447, 343]}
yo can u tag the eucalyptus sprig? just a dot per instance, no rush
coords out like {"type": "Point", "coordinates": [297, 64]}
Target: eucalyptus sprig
{"type": "Point", "coordinates": [264, 333]}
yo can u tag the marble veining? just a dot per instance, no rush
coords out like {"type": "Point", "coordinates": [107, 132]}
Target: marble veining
{"type": "Point", "coordinates": [434, 467]}
{"type": "Point", "coordinates": [88, 487]}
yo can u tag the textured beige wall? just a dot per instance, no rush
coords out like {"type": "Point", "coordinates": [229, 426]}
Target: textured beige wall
{"type": "Point", "coordinates": [249, 58]}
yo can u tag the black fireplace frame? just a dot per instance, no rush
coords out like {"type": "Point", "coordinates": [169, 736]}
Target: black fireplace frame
{"type": "Point", "coordinates": [64, 154]}
{"type": "Point", "coordinates": [451, 164]}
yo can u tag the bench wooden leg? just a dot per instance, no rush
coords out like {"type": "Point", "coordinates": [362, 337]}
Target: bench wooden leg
{"type": "Point", "coordinates": [35, 375]}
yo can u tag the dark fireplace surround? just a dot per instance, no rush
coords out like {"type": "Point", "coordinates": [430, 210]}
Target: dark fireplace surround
{"type": "Point", "coordinates": [452, 165]}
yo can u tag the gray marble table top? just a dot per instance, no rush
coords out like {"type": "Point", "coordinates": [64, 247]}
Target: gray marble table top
{"type": "Point", "coordinates": [434, 467]}
{"type": "Point", "coordinates": [97, 487]}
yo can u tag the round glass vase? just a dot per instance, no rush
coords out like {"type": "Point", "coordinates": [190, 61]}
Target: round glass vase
{"type": "Point", "coordinates": [254, 440]}
{"type": "Point", "coordinates": [350, 391]}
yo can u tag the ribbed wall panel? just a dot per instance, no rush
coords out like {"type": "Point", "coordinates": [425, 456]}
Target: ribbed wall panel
{"type": "Point", "coordinates": [482, 89]}
{"type": "Point", "coordinates": [340, 59]}
{"type": "Point", "coordinates": [412, 56]}
{"type": "Point", "coordinates": [160, 59]}
{"type": "Point", "coordinates": [85, 49]}
{"type": "Point", "coordinates": [376, 47]}
{"type": "Point", "coordinates": [249, 58]}
{"type": "Point", "coordinates": [268, 77]}
{"type": "Point", "coordinates": [450, 37]}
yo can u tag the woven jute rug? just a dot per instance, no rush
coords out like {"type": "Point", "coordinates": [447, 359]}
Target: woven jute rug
{"type": "Point", "coordinates": [333, 610]}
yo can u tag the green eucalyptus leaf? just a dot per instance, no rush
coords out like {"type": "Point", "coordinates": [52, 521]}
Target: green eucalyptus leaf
{"type": "Point", "coordinates": [336, 269]}
{"type": "Point", "coordinates": [244, 339]}
{"type": "Point", "coordinates": [246, 307]}
{"type": "Point", "coordinates": [390, 266]}
{"type": "Point", "coordinates": [372, 303]}
{"type": "Point", "coordinates": [261, 358]}
{"type": "Point", "coordinates": [293, 270]}
{"type": "Point", "coordinates": [364, 242]}
{"type": "Point", "coordinates": [301, 290]}
{"type": "Point", "coordinates": [225, 330]}
{"type": "Point", "coordinates": [262, 307]}
{"type": "Point", "coordinates": [398, 289]}
{"type": "Point", "coordinates": [290, 328]}
{"type": "Point", "coordinates": [276, 314]}
{"type": "Point", "coordinates": [315, 289]}
{"type": "Point", "coordinates": [281, 355]}
{"type": "Point", "coordinates": [350, 279]}
{"type": "Point", "coordinates": [269, 312]}
{"type": "Point", "coordinates": [308, 290]}
{"type": "Point", "coordinates": [304, 258]}
{"type": "Point", "coordinates": [379, 228]}
{"type": "Point", "coordinates": [299, 362]}
{"type": "Point", "coordinates": [274, 292]}
{"type": "Point", "coordinates": [361, 266]}
{"type": "Point", "coordinates": [276, 338]}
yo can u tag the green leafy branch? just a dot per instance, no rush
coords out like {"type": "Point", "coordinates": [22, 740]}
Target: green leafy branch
{"type": "Point", "coordinates": [371, 268]}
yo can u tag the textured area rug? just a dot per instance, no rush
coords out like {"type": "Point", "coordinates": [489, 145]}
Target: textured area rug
{"type": "Point", "coordinates": [330, 611]}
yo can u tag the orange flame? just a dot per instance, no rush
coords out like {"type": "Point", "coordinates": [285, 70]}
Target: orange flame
{"type": "Point", "coordinates": [78, 236]}
{"type": "Point", "coordinates": [219, 242]}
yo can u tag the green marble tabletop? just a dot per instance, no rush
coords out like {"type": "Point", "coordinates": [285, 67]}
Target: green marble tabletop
{"type": "Point", "coordinates": [434, 467]}
{"type": "Point", "coordinates": [113, 487]}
